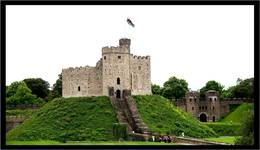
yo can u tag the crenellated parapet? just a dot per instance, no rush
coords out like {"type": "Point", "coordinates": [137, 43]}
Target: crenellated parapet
{"type": "Point", "coordinates": [141, 57]}
{"type": "Point", "coordinates": [77, 69]}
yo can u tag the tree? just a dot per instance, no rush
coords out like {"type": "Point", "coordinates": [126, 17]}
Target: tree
{"type": "Point", "coordinates": [247, 130]}
{"type": "Point", "coordinates": [57, 86]}
{"type": "Point", "coordinates": [174, 88]}
{"type": "Point", "coordinates": [38, 86]}
{"type": "Point", "coordinates": [211, 85]}
{"type": "Point", "coordinates": [11, 89]}
{"type": "Point", "coordinates": [23, 95]}
{"type": "Point", "coordinates": [245, 89]}
{"type": "Point", "coordinates": [156, 89]}
{"type": "Point", "coordinates": [57, 89]}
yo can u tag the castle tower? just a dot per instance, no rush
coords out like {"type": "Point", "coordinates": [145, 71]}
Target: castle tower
{"type": "Point", "coordinates": [116, 68]}
{"type": "Point", "coordinates": [212, 98]}
{"type": "Point", "coordinates": [192, 100]}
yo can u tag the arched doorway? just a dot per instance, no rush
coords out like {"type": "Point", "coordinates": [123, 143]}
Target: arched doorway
{"type": "Point", "coordinates": [118, 94]}
{"type": "Point", "coordinates": [213, 119]}
{"type": "Point", "coordinates": [203, 117]}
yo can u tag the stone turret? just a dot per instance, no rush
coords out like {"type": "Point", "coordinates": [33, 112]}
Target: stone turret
{"type": "Point", "coordinates": [124, 42]}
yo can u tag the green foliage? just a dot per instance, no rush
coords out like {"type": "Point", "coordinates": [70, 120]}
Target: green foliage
{"type": "Point", "coordinates": [120, 131]}
{"type": "Point", "coordinates": [21, 95]}
{"type": "Point", "coordinates": [11, 90]}
{"type": "Point", "coordinates": [21, 112]}
{"type": "Point", "coordinates": [211, 85]}
{"type": "Point", "coordinates": [238, 115]}
{"type": "Point", "coordinates": [247, 130]}
{"type": "Point", "coordinates": [56, 92]}
{"type": "Point", "coordinates": [67, 119]}
{"type": "Point", "coordinates": [174, 88]}
{"type": "Point", "coordinates": [161, 116]}
{"type": "Point", "coordinates": [224, 129]}
{"type": "Point", "coordinates": [244, 89]}
{"type": "Point", "coordinates": [156, 89]}
{"type": "Point", "coordinates": [38, 86]}
{"type": "Point", "coordinates": [223, 139]}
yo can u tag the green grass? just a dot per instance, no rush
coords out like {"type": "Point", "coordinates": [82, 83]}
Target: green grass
{"type": "Point", "coordinates": [223, 139]}
{"type": "Point", "coordinates": [238, 114]}
{"type": "Point", "coordinates": [48, 142]}
{"type": "Point", "coordinates": [69, 119]}
{"type": "Point", "coordinates": [225, 128]}
{"type": "Point", "coordinates": [161, 116]}
{"type": "Point", "coordinates": [25, 113]}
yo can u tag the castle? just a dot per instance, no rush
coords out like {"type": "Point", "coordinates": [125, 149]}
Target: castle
{"type": "Point", "coordinates": [209, 109]}
{"type": "Point", "coordinates": [116, 71]}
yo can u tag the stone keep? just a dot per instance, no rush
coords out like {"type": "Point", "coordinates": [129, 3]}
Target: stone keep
{"type": "Point", "coordinates": [118, 69]}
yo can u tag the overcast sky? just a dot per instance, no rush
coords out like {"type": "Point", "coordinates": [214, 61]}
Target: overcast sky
{"type": "Point", "coordinates": [195, 43]}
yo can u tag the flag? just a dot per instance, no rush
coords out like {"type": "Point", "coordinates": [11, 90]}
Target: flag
{"type": "Point", "coordinates": [130, 22]}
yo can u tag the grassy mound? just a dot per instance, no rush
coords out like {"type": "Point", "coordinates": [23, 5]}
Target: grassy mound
{"type": "Point", "coordinates": [161, 116]}
{"type": "Point", "coordinates": [225, 128]}
{"type": "Point", "coordinates": [72, 119]}
{"type": "Point", "coordinates": [237, 116]}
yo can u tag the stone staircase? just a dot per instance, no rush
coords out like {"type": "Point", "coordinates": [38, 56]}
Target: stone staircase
{"type": "Point", "coordinates": [127, 113]}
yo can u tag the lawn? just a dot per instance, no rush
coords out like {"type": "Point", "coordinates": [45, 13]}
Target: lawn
{"type": "Point", "coordinates": [223, 139]}
{"type": "Point", "coordinates": [49, 142]}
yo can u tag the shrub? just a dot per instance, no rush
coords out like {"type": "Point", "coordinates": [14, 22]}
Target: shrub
{"type": "Point", "coordinates": [120, 131]}
{"type": "Point", "coordinates": [247, 130]}
{"type": "Point", "coordinates": [224, 129]}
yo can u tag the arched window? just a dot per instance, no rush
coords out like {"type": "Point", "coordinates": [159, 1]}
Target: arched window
{"type": "Point", "coordinates": [78, 88]}
{"type": "Point", "coordinates": [118, 81]}
{"type": "Point", "coordinates": [192, 108]}
{"type": "Point", "coordinates": [105, 57]}
{"type": "Point", "coordinates": [190, 99]}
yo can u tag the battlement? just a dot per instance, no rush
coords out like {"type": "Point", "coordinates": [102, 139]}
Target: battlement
{"type": "Point", "coordinates": [113, 49]}
{"type": "Point", "coordinates": [125, 42]}
{"type": "Point", "coordinates": [141, 57]}
{"type": "Point", "coordinates": [238, 99]}
{"type": "Point", "coordinates": [212, 93]}
{"type": "Point", "coordinates": [77, 69]}
{"type": "Point", "coordinates": [192, 94]}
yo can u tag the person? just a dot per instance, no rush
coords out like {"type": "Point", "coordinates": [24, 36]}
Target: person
{"type": "Point", "coordinates": [153, 138]}
{"type": "Point", "coordinates": [169, 139]}
{"type": "Point", "coordinates": [182, 134]}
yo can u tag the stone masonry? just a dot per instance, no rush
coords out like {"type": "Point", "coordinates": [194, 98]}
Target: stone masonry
{"type": "Point", "coordinates": [118, 70]}
{"type": "Point", "coordinates": [210, 109]}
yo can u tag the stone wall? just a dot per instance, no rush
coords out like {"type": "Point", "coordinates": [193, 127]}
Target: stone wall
{"type": "Point", "coordinates": [140, 75]}
{"type": "Point", "coordinates": [211, 106]}
{"type": "Point", "coordinates": [117, 68]}
{"type": "Point", "coordinates": [81, 81]}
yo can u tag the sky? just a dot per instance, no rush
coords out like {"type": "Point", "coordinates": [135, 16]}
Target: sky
{"type": "Point", "coordinates": [192, 42]}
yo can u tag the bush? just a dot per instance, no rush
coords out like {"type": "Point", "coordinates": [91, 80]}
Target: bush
{"type": "Point", "coordinates": [223, 129]}
{"type": "Point", "coordinates": [120, 131]}
{"type": "Point", "coordinates": [247, 130]}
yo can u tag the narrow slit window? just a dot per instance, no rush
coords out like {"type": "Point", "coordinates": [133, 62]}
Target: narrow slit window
{"type": "Point", "coordinates": [78, 88]}
{"type": "Point", "coordinates": [118, 81]}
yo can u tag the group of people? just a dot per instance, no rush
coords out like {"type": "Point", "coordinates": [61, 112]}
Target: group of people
{"type": "Point", "coordinates": [166, 139]}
